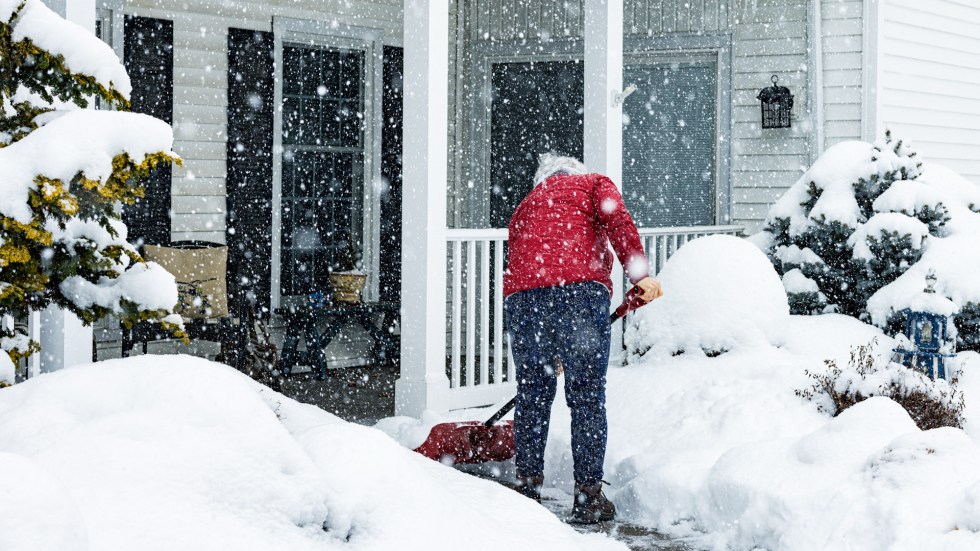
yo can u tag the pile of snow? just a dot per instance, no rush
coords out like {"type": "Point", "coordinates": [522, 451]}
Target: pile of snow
{"type": "Point", "coordinates": [721, 452]}
{"type": "Point", "coordinates": [720, 292]}
{"type": "Point", "coordinates": [165, 453]}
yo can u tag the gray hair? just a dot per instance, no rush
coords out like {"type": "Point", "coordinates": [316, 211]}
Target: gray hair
{"type": "Point", "coordinates": [551, 163]}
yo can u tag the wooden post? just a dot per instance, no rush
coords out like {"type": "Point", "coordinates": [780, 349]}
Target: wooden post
{"type": "Point", "coordinates": [423, 383]}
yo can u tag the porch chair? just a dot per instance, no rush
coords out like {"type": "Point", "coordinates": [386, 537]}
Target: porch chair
{"type": "Point", "coordinates": [227, 324]}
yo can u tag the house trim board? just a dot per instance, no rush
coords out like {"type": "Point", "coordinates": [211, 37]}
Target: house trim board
{"type": "Point", "coordinates": [815, 79]}
{"type": "Point", "coordinates": [873, 16]}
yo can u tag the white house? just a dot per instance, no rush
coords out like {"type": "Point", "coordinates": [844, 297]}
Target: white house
{"type": "Point", "coordinates": [414, 128]}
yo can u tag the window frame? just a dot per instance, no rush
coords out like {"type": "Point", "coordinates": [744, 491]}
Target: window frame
{"type": "Point", "coordinates": [288, 31]}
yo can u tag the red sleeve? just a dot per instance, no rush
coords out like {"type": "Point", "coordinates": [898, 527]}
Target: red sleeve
{"type": "Point", "coordinates": [620, 229]}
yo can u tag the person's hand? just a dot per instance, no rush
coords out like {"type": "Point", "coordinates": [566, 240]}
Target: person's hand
{"type": "Point", "coordinates": [651, 289]}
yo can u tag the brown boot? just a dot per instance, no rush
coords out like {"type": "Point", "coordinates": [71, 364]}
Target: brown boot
{"type": "Point", "coordinates": [590, 505]}
{"type": "Point", "coordinates": [530, 487]}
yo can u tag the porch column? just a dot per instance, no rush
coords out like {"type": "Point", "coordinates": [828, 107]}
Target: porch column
{"type": "Point", "coordinates": [603, 120]}
{"type": "Point", "coordinates": [423, 383]}
{"type": "Point", "coordinates": [64, 339]}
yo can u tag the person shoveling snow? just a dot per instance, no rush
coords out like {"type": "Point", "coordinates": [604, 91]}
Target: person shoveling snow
{"type": "Point", "coordinates": [557, 287]}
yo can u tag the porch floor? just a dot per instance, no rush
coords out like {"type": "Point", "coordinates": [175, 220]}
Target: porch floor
{"type": "Point", "coordinates": [362, 395]}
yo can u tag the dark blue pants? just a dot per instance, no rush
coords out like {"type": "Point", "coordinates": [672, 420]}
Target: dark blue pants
{"type": "Point", "coordinates": [569, 323]}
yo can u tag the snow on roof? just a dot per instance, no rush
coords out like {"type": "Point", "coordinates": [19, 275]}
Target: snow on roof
{"type": "Point", "coordinates": [83, 52]}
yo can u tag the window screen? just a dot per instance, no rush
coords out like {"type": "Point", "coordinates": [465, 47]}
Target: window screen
{"type": "Point", "coordinates": [669, 143]}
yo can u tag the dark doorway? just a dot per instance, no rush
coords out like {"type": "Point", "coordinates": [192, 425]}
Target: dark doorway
{"type": "Point", "coordinates": [537, 107]}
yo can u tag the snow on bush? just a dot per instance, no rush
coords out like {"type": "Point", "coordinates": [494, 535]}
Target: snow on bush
{"type": "Point", "coordinates": [930, 403]}
{"type": "Point", "coordinates": [865, 480]}
{"type": "Point", "coordinates": [65, 170]}
{"type": "Point", "coordinates": [865, 223]}
{"type": "Point", "coordinates": [177, 453]}
{"type": "Point", "coordinates": [719, 293]}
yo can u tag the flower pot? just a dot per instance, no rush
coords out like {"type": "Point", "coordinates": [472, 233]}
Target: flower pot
{"type": "Point", "coordinates": [347, 286]}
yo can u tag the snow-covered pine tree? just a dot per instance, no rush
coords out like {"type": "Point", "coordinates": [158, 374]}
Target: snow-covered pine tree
{"type": "Point", "coordinates": [833, 231]}
{"type": "Point", "coordinates": [859, 230]}
{"type": "Point", "coordinates": [64, 169]}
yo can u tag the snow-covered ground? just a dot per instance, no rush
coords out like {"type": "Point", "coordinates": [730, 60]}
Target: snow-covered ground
{"type": "Point", "coordinates": [178, 453]}
{"type": "Point", "coordinates": [708, 442]}
{"type": "Point", "coordinates": [721, 451]}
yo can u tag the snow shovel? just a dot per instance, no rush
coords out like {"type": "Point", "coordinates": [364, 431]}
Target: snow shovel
{"type": "Point", "coordinates": [480, 442]}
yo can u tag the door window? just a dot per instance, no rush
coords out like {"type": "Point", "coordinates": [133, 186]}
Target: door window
{"type": "Point", "coordinates": [537, 107]}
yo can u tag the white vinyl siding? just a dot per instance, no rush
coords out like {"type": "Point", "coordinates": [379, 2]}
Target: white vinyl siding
{"type": "Point", "coordinates": [200, 88]}
{"type": "Point", "coordinates": [842, 44]}
{"type": "Point", "coordinates": [929, 79]}
{"type": "Point", "coordinates": [770, 38]}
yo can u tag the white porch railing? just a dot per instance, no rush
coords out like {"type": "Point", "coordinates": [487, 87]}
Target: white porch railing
{"type": "Point", "coordinates": [479, 367]}
{"type": "Point", "coordinates": [661, 243]}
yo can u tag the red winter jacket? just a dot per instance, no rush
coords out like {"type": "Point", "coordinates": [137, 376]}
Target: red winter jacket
{"type": "Point", "coordinates": [560, 233]}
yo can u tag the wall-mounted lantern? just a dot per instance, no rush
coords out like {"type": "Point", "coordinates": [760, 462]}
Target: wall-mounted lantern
{"type": "Point", "coordinates": [926, 344]}
{"type": "Point", "coordinates": [777, 105]}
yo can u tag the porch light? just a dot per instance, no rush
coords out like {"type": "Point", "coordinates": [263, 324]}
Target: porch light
{"type": "Point", "coordinates": [926, 343]}
{"type": "Point", "coordinates": [777, 105]}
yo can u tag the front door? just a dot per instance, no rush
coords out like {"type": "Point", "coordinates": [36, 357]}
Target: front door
{"type": "Point", "coordinates": [537, 107]}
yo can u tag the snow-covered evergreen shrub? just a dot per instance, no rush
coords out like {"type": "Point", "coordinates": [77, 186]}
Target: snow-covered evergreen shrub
{"type": "Point", "coordinates": [931, 404]}
{"type": "Point", "coordinates": [858, 231]}
{"type": "Point", "coordinates": [63, 170]}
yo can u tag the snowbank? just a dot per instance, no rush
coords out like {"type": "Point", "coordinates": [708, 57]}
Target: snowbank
{"type": "Point", "coordinates": [721, 452]}
{"type": "Point", "coordinates": [720, 292]}
{"type": "Point", "coordinates": [164, 453]}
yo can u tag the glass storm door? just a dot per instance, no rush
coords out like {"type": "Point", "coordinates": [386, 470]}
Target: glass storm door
{"type": "Point", "coordinates": [322, 161]}
{"type": "Point", "coordinates": [537, 107]}
{"type": "Point", "coordinates": [669, 143]}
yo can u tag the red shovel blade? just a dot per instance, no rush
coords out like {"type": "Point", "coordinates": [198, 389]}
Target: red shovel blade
{"type": "Point", "coordinates": [469, 442]}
